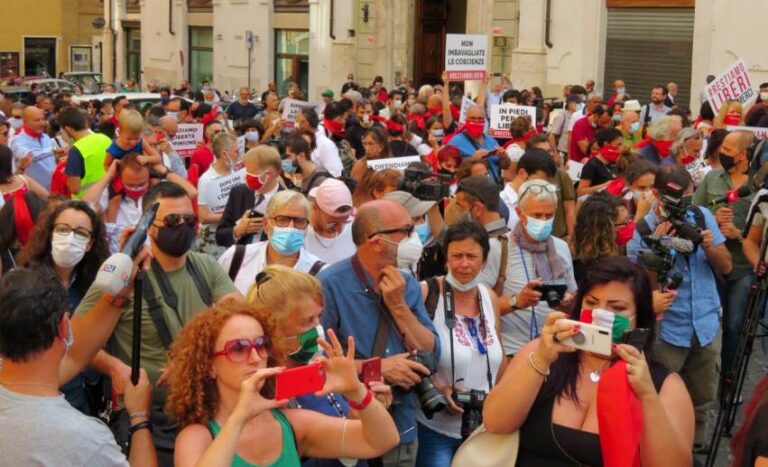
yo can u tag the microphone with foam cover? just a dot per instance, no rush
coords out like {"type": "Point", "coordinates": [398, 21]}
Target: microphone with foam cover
{"type": "Point", "coordinates": [115, 273]}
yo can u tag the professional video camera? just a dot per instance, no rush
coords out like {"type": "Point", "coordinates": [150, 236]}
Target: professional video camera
{"type": "Point", "coordinates": [676, 204]}
{"type": "Point", "coordinates": [424, 184]}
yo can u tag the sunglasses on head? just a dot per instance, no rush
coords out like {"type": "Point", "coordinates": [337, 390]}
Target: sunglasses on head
{"type": "Point", "coordinates": [172, 220]}
{"type": "Point", "coordinates": [238, 350]}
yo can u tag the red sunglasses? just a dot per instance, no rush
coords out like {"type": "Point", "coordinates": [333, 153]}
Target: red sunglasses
{"type": "Point", "coordinates": [238, 350]}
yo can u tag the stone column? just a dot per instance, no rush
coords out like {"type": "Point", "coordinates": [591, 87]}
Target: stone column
{"type": "Point", "coordinates": [164, 50]}
{"type": "Point", "coordinates": [529, 58]}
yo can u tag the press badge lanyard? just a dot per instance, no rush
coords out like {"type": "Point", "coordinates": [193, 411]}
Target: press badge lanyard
{"type": "Point", "coordinates": [534, 328]}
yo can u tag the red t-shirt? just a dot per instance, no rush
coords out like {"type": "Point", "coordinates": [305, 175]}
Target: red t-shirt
{"type": "Point", "coordinates": [582, 129]}
{"type": "Point", "coordinates": [203, 157]}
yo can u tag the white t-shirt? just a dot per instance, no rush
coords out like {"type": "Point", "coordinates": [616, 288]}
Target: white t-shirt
{"type": "Point", "coordinates": [47, 432]}
{"type": "Point", "coordinates": [326, 155]}
{"type": "Point", "coordinates": [330, 250]}
{"type": "Point", "coordinates": [516, 327]}
{"type": "Point", "coordinates": [213, 188]}
{"type": "Point", "coordinates": [129, 211]}
{"type": "Point", "coordinates": [509, 197]}
{"type": "Point", "coordinates": [471, 366]}
{"type": "Point", "coordinates": [255, 261]}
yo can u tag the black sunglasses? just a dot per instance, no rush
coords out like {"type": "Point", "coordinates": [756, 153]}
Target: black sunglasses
{"type": "Point", "coordinates": [172, 220]}
{"type": "Point", "coordinates": [407, 230]}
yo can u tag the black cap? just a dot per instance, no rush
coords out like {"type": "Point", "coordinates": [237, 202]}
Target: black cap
{"type": "Point", "coordinates": [482, 188]}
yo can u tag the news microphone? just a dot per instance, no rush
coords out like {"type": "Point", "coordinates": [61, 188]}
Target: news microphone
{"type": "Point", "coordinates": [115, 274]}
{"type": "Point", "coordinates": [731, 196]}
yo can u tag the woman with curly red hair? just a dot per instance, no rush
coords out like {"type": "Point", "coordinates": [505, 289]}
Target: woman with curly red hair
{"type": "Point", "coordinates": [218, 394]}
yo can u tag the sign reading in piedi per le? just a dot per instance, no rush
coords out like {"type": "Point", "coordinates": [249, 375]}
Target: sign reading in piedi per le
{"type": "Point", "coordinates": [466, 56]}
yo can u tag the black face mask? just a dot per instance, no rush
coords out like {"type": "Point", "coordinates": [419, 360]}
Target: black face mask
{"type": "Point", "coordinates": [175, 241]}
{"type": "Point", "coordinates": [726, 161]}
{"type": "Point", "coordinates": [445, 172]}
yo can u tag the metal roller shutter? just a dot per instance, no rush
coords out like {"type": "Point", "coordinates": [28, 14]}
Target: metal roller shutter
{"type": "Point", "coordinates": [649, 46]}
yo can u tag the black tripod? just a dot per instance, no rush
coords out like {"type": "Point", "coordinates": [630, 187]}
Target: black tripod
{"type": "Point", "coordinates": [733, 382]}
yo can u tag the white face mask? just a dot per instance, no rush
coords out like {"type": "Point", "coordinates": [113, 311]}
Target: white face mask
{"type": "Point", "coordinates": [252, 136]}
{"type": "Point", "coordinates": [67, 250]}
{"type": "Point", "coordinates": [15, 123]}
{"type": "Point", "coordinates": [408, 250]}
{"type": "Point", "coordinates": [458, 285]}
{"type": "Point", "coordinates": [764, 96]}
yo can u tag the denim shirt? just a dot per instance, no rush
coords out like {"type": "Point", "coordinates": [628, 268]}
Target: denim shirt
{"type": "Point", "coordinates": [349, 311]}
{"type": "Point", "coordinates": [43, 158]}
{"type": "Point", "coordinates": [697, 305]}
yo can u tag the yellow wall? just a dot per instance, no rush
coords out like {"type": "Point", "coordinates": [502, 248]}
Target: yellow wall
{"type": "Point", "coordinates": [67, 20]}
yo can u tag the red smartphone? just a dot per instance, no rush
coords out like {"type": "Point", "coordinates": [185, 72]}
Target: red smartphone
{"type": "Point", "coordinates": [299, 381]}
{"type": "Point", "coordinates": [371, 371]}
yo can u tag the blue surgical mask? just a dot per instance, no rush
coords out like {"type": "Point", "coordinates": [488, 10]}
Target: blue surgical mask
{"type": "Point", "coordinates": [616, 117]}
{"type": "Point", "coordinates": [439, 132]}
{"type": "Point", "coordinates": [634, 127]}
{"type": "Point", "coordinates": [173, 115]}
{"type": "Point", "coordinates": [423, 231]}
{"type": "Point", "coordinates": [539, 230]}
{"type": "Point", "coordinates": [287, 240]}
{"type": "Point", "coordinates": [621, 91]}
{"type": "Point", "coordinates": [580, 107]}
{"type": "Point", "coordinates": [252, 136]}
{"type": "Point", "coordinates": [288, 166]}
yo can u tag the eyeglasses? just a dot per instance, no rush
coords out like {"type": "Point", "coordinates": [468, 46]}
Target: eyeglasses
{"type": "Point", "coordinates": [285, 221]}
{"type": "Point", "coordinates": [64, 229]}
{"type": "Point", "coordinates": [238, 350]}
{"type": "Point", "coordinates": [538, 189]}
{"type": "Point", "coordinates": [172, 220]}
{"type": "Point", "coordinates": [407, 230]}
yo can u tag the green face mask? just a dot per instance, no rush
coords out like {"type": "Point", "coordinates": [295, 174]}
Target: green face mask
{"type": "Point", "coordinates": [308, 346]}
{"type": "Point", "coordinates": [620, 324]}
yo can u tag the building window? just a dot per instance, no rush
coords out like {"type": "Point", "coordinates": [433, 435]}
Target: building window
{"type": "Point", "coordinates": [81, 58]}
{"type": "Point", "coordinates": [39, 56]}
{"type": "Point", "coordinates": [133, 54]}
{"type": "Point", "coordinates": [9, 65]}
{"type": "Point", "coordinates": [291, 59]}
{"type": "Point", "coordinates": [292, 6]}
{"type": "Point", "coordinates": [200, 55]}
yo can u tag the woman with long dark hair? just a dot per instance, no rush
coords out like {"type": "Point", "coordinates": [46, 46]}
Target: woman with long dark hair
{"type": "Point", "coordinates": [750, 444]}
{"type": "Point", "coordinates": [71, 239]}
{"type": "Point", "coordinates": [549, 391]}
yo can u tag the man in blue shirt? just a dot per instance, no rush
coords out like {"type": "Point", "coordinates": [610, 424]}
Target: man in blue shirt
{"type": "Point", "coordinates": [473, 141]}
{"type": "Point", "coordinates": [33, 140]}
{"type": "Point", "coordinates": [689, 336]}
{"type": "Point", "coordinates": [366, 293]}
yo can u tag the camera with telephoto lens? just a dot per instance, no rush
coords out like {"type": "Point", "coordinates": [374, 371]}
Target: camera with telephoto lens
{"type": "Point", "coordinates": [424, 184]}
{"type": "Point", "coordinates": [431, 400]}
{"type": "Point", "coordinates": [553, 291]}
{"type": "Point", "coordinates": [660, 258]}
{"type": "Point", "coordinates": [472, 402]}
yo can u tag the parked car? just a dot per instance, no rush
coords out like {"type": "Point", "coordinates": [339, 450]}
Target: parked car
{"type": "Point", "coordinates": [90, 82]}
{"type": "Point", "coordinates": [138, 99]}
{"type": "Point", "coordinates": [52, 86]}
{"type": "Point", "coordinates": [15, 93]}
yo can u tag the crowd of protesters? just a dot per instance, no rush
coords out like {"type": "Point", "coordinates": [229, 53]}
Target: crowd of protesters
{"type": "Point", "coordinates": [466, 277]}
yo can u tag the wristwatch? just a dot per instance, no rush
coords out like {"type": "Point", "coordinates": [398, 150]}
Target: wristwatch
{"type": "Point", "coordinates": [119, 301]}
{"type": "Point", "coordinates": [513, 302]}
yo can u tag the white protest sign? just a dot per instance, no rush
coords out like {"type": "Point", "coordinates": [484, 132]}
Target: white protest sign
{"type": "Point", "coordinates": [397, 163]}
{"type": "Point", "coordinates": [187, 137]}
{"type": "Point", "coordinates": [292, 108]}
{"type": "Point", "coordinates": [760, 133]}
{"type": "Point", "coordinates": [466, 56]}
{"type": "Point", "coordinates": [466, 103]}
{"type": "Point", "coordinates": [732, 84]}
{"type": "Point", "coordinates": [574, 169]}
{"type": "Point", "coordinates": [502, 116]}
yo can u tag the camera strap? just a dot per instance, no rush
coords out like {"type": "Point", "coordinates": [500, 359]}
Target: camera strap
{"type": "Point", "coordinates": [533, 332]}
{"type": "Point", "coordinates": [385, 321]}
{"type": "Point", "coordinates": [449, 309]}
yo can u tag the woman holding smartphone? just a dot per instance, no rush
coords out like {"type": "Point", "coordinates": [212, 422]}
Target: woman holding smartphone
{"type": "Point", "coordinates": [549, 391]}
{"type": "Point", "coordinates": [295, 301]}
{"type": "Point", "coordinates": [220, 393]}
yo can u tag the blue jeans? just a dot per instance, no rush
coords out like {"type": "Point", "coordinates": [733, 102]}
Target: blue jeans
{"type": "Point", "coordinates": [435, 449]}
{"type": "Point", "coordinates": [734, 300]}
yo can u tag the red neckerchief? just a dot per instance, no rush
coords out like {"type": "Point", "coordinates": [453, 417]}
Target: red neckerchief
{"type": "Point", "coordinates": [419, 119]}
{"type": "Point", "coordinates": [619, 418]}
{"type": "Point", "coordinates": [336, 128]}
{"type": "Point", "coordinates": [31, 133]}
{"type": "Point", "coordinates": [390, 125]}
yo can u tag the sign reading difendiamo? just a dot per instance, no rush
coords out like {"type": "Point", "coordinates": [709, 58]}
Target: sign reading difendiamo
{"type": "Point", "coordinates": [466, 56]}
